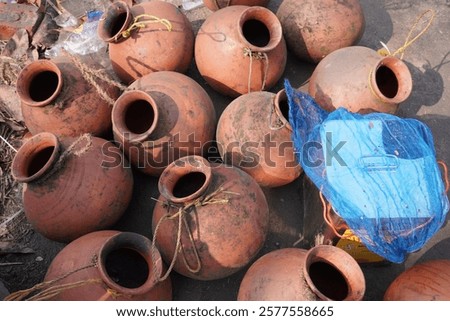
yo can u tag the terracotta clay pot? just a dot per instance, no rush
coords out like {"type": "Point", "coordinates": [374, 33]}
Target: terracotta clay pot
{"type": "Point", "coordinates": [223, 215]}
{"type": "Point", "coordinates": [109, 265]}
{"type": "Point", "coordinates": [324, 273]}
{"type": "Point", "coordinates": [240, 49]}
{"type": "Point", "coordinates": [147, 37]}
{"type": "Point", "coordinates": [215, 5]}
{"type": "Point", "coordinates": [254, 134]}
{"type": "Point", "coordinates": [428, 281]}
{"type": "Point", "coordinates": [162, 117]}
{"type": "Point", "coordinates": [359, 79]}
{"type": "Point", "coordinates": [315, 28]}
{"type": "Point", "coordinates": [72, 186]}
{"type": "Point", "coordinates": [56, 98]}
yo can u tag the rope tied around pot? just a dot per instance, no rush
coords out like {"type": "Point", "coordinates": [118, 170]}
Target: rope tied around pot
{"type": "Point", "coordinates": [138, 24]}
{"type": "Point", "coordinates": [182, 211]}
{"type": "Point", "coordinates": [256, 55]}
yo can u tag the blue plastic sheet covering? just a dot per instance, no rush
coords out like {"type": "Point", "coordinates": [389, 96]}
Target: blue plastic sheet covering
{"type": "Point", "coordinates": [378, 171]}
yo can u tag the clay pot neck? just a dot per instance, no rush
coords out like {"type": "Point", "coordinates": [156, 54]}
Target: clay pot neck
{"type": "Point", "coordinates": [185, 180]}
{"type": "Point", "coordinates": [281, 107]}
{"type": "Point", "coordinates": [135, 116]}
{"type": "Point", "coordinates": [114, 21]}
{"type": "Point", "coordinates": [390, 80]}
{"type": "Point", "coordinates": [36, 157]}
{"type": "Point", "coordinates": [39, 83]}
{"type": "Point", "coordinates": [259, 29]}
{"type": "Point", "coordinates": [127, 265]}
{"type": "Point", "coordinates": [333, 275]}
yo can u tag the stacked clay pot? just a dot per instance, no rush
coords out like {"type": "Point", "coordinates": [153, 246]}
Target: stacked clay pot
{"type": "Point", "coordinates": [210, 220]}
{"type": "Point", "coordinates": [254, 134]}
{"type": "Point", "coordinates": [56, 98]}
{"type": "Point", "coordinates": [428, 281]}
{"type": "Point", "coordinates": [147, 37]}
{"type": "Point", "coordinates": [71, 186]}
{"type": "Point", "coordinates": [161, 117]}
{"type": "Point", "coordinates": [324, 273]}
{"type": "Point", "coordinates": [360, 80]}
{"type": "Point", "coordinates": [240, 49]}
{"type": "Point", "coordinates": [315, 28]}
{"type": "Point", "coordinates": [108, 265]}
{"type": "Point", "coordinates": [215, 5]}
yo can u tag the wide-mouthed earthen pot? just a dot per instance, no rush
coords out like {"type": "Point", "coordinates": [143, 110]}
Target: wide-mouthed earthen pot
{"type": "Point", "coordinates": [210, 220]}
{"type": "Point", "coordinates": [215, 5]}
{"type": "Point", "coordinates": [147, 37]}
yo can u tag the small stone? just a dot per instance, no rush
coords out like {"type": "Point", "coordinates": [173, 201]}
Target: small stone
{"type": "Point", "coordinates": [39, 259]}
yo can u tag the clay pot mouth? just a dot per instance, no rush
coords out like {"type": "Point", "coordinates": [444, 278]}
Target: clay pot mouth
{"type": "Point", "coordinates": [333, 274]}
{"type": "Point", "coordinates": [114, 21]}
{"type": "Point", "coordinates": [135, 116]}
{"type": "Point", "coordinates": [259, 29]}
{"type": "Point", "coordinates": [35, 157]}
{"type": "Point", "coordinates": [391, 80]}
{"type": "Point", "coordinates": [128, 265]}
{"type": "Point", "coordinates": [39, 83]}
{"type": "Point", "coordinates": [185, 179]}
{"type": "Point", "coordinates": [282, 108]}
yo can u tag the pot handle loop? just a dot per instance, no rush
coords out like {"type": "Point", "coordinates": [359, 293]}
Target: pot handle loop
{"type": "Point", "coordinates": [445, 176]}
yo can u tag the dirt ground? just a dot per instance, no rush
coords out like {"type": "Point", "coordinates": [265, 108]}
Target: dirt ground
{"type": "Point", "coordinates": [388, 21]}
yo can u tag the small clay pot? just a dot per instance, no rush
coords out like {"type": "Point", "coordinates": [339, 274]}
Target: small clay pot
{"type": "Point", "coordinates": [147, 37]}
{"type": "Point", "coordinates": [72, 186]}
{"type": "Point", "coordinates": [323, 273]}
{"type": "Point", "coordinates": [215, 5]}
{"type": "Point", "coordinates": [360, 80]}
{"type": "Point", "coordinates": [161, 117]}
{"type": "Point", "coordinates": [254, 134]}
{"type": "Point", "coordinates": [428, 281]}
{"type": "Point", "coordinates": [315, 28]}
{"type": "Point", "coordinates": [240, 49]}
{"type": "Point", "coordinates": [224, 218]}
{"type": "Point", "coordinates": [108, 265]}
{"type": "Point", "coordinates": [56, 98]}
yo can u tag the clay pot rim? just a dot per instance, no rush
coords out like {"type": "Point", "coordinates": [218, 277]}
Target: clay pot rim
{"type": "Point", "coordinates": [403, 75]}
{"type": "Point", "coordinates": [179, 168]}
{"type": "Point", "coordinates": [119, 109]}
{"type": "Point", "coordinates": [26, 76]}
{"type": "Point", "coordinates": [141, 245]}
{"type": "Point", "coordinates": [269, 19]}
{"type": "Point", "coordinates": [281, 95]}
{"type": "Point", "coordinates": [104, 26]}
{"type": "Point", "coordinates": [346, 265]}
{"type": "Point", "coordinates": [30, 148]}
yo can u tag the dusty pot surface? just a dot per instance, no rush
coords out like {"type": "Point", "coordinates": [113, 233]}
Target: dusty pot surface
{"type": "Point", "coordinates": [240, 49]}
{"type": "Point", "coordinates": [315, 28]}
{"type": "Point", "coordinates": [108, 265]}
{"type": "Point", "coordinates": [321, 273]}
{"type": "Point", "coordinates": [147, 37]}
{"type": "Point", "coordinates": [215, 5]}
{"type": "Point", "coordinates": [72, 186]}
{"type": "Point", "coordinates": [428, 281]}
{"type": "Point", "coordinates": [360, 80]}
{"type": "Point", "coordinates": [56, 98]}
{"type": "Point", "coordinates": [254, 134]}
{"type": "Point", "coordinates": [213, 217]}
{"type": "Point", "coordinates": [162, 117]}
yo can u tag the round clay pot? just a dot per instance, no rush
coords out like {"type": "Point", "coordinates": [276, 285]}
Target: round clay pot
{"type": "Point", "coordinates": [56, 98]}
{"type": "Point", "coordinates": [315, 28]}
{"type": "Point", "coordinates": [240, 49]}
{"type": "Point", "coordinates": [152, 44]}
{"type": "Point", "coordinates": [215, 5]}
{"type": "Point", "coordinates": [224, 216]}
{"type": "Point", "coordinates": [360, 80]}
{"type": "Point", "coordinates": [162, 117]}
{"type": "Point", "coordinates": [109, 265]}
{"type": "Point", "coordinates": [324, 273]}
{"type": "Point", "coordinates": [72, 186]}
{"type": "Point", "coordinates": [428, 281]}
{"type": "Point", "coordinates": [254, 134]}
